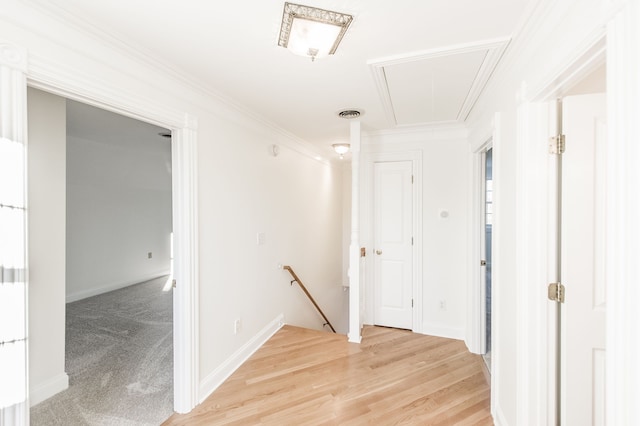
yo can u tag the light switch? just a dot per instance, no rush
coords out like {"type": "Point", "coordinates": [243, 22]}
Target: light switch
{"type": "Point", "coordinates": [261, 238]}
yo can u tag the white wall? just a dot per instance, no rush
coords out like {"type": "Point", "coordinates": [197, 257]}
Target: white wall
{"type": "Point", "coordinates": [444, 155]}
{"type": "Point", "coordinates": [295, 200]}
{"type": "Point", "coordinates": [118, 210]}
{"type": "Point", "coordinates": [46, 229]}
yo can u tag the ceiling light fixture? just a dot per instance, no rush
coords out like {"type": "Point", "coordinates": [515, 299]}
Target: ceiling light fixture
{"type": "Point", "coordinates": [311, 32]}
{"type": "Point", "coordinates": [341, 148]}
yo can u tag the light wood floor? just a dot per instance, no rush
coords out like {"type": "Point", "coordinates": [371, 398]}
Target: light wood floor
{"type": "Point", "coordinates": [307, 377]}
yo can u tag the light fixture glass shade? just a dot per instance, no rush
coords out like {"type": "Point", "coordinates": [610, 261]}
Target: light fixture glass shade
{"type": "Point", "coordinates": [341, 148]}
{"type": "Point", "coordinates": [312, 32]}
{"type": "Point", "coordinates": [312, 38]}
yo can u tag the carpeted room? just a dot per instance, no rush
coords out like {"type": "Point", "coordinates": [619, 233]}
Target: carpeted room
{"type": "Point", "coordinates": [108, 223]}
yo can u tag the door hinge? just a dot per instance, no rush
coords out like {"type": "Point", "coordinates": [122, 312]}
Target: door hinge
{"type": "Point", "coordinates": [556, 292]}
{"type": "Point", "coordinates": [411, 178]}
{"type": "Point", "coordinates": [411, 240]}
{"type": "Point", "coordinates": [412, 303]}
{"type": "Point", "coordinates": [557, 144]}
{"type": "Point", "coordinates": [173, 283]}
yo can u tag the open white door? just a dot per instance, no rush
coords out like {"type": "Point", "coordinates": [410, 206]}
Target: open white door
{"type": "Point", "coordinates": [393, 211]}
{"type": "Point", "coordinates": [583, 257]}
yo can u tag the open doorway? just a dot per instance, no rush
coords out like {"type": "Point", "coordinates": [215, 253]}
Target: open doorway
{"type": "Point", "coordinates": [486, 247]}
{"type": "Point", "coordinates": [119, 315]}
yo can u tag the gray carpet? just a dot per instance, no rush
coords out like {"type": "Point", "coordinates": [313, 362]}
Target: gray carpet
{"type": "Point", "coordinates": [119, 357]}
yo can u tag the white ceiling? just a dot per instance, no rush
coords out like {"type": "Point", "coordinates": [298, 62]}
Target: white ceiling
{"type": "Point", "coordinates": [406, 62]}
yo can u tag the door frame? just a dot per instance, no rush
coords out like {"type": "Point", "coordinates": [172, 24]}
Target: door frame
{"type": "Point", "coordinates": [535, 242]}
{"type": "Point", "coordinates": [476, 320]}
{"type": "Point", "coordinates": [367, 191]}
{"type": "Point", "coordinates": [491, 136]}
{"type": "Point", "coordinates": [184, 127]}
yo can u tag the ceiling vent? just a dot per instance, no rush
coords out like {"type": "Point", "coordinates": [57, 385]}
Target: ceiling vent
{"type": "Point", "coordinates": [349, 114]}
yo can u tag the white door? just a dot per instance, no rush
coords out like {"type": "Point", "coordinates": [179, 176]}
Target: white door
{"type": "Point", "coordinates": [583, 313]}
{"type": "Point", "coordinates": [393, 227]}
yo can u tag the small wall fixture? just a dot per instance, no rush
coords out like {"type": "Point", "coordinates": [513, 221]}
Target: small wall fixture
{"type": "Point", "coordinates": [341, 148]}
{"type": "Point", "coordinates": [308, 31]}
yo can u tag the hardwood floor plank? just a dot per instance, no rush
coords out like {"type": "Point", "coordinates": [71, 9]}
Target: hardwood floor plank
{"type": "Point", "coordinates": [307, 377]}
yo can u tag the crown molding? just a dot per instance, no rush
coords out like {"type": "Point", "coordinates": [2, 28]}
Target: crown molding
{"type": "Point", "coordinates": [445, 130]}
{"type": "Point", "coordinates": [142, 56]}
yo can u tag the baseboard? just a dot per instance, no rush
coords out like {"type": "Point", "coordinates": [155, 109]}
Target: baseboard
{"type": "Point", "coordinates": [73, 297]}
{"type": "Point", "coordinates": [443, 331]}
{"type": "Point", "coordinates": [222, 373]}
{"type": "Point", "coordinates": [485, 371]}
{"type": "Point", "coordinates": [47, 389]}
{"type": "Point", "coordinates": [498, 418]}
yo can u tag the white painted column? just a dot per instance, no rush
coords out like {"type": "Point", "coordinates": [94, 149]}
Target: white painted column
{"type": "Point", "coordinates": [185, 269]}
{"type": "Point", "coordinates": [14, 389]}
{"type": "Point", "coordinates": [623, 217]}
{"type": "Point", "coordinates": [355, 305]}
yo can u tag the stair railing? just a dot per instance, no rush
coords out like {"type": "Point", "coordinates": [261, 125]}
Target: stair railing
{"type": "Point", "coordinates": [297, 280]}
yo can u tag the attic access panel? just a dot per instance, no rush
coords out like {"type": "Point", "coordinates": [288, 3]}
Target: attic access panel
{"type": "Point", "coordinates": [438, 86]}
{"type": "Point", "coordinates": [432, 90]}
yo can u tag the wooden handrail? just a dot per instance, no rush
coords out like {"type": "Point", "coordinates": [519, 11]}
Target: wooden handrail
{"type": "Point", "coordinates": [297, 280]}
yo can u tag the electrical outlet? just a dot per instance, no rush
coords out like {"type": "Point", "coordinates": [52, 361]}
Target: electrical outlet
{"type": "Point", "coordinates": [261, 238]}
{"type": "Point", "coordinates": [443, 305]}
{"type": "Point", "coordinates": [237, 326]}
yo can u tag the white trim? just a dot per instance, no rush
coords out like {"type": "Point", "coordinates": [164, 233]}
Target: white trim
{"type": "Point", "coordinates": [587, 58]}
{"type": "Point", "coordinates": [439, 330]}
{"type": "Point", "coordinates": [535, 319]}
{"type": "Point", "coordinates": [475, 336]}
{"type": "Point", "coordinates": [186, 348]}
{"type": "Point", "coordinates": [622, 213]}
{"type": "Point", "coordinates": [367, 213]}
{"type": "Point", "coordinates": [231, 364]}
{"type": "Point", "coordinates": [48, 388]}
{"type": "Point", "coordinates": [74, 84]}
{"type": "Point", "coordinates": [499, 419]}
{"type": "Point", "coordinates": [79, 295]}
{"type": "Point", "coordinates": [416, 134]}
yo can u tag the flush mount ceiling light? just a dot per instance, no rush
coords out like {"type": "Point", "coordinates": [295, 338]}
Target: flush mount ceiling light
{"type": "Point", "coordinates": [341, 148]}
{"type": "Point", "coordinates": [311, 32]}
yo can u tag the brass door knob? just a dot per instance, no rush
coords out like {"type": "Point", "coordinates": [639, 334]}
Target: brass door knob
{"type": "Point", "coordinates": [378, 252]}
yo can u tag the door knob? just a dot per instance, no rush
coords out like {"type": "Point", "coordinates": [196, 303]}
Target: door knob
{"type": "Point", "coordinates": [483, 263]}
{"type": "Point", "coordinates": [378, 252]}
